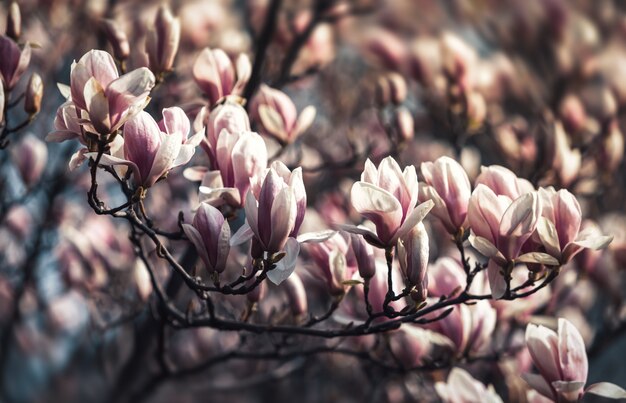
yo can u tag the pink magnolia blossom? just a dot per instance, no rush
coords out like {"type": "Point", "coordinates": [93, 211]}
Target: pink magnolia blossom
{"type": "Point", "coordinates": [239, 157]}
{"type": "Point", "coordinates": [151, 150]}
{"type": "Point", "coordinates": [333, 263]}
{"type": "Point", "coordinates": [500, 227]}
{"type": "Point", "coordinates": [108, 99]}
{"type": "Point", "coordinates": [561, 360]}
{"type": "Point", "coordinates": [274, 212]}
{"type": "Point", "coordinates": [277, 115]}
{"type": "Point", "coordinates": [216, 75]}
{"type": "Point", "coordinates": [228, 115]}
{"type": "Point", "coordinates": [560, 224]}
{"type": "Point", "coordinates": [387, 196]}
{"type": "Point", "coordinates": [13, 61]}
{"type": "Point", "coordinates": [210, 234]}
{"type": "Point", "coordinates": [448, 186]}
{"type": "Point", "coordinates": [461, 387]}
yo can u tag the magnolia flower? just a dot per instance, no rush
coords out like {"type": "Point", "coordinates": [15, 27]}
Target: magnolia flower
{"type": "Point", "coordinates": [108, 99]}
{"type": "Point", "coordinates": [239, 157]}
{"type": "Point", "coordinates": [448, 186]}
{"type": "Point", "coordinates": [364, 256]}
{"type": "Point", "coordinates": [13, 61]}
{"type": "Point", "coordinates": [332, 262]}
{"type": "Point", "coordinates": [150, 150]}
{"type": "Point", "coordinates": [216, 75]}
{"type": "Point", "coordinates": [277, 115]}
{"type": "Point", "coordinates": [462, 388]}
{"type": "Point", "coordinates": [230, 116]}
{"type": "Point", "coordinates": [413, 256]}
{"type": "Point", "coordinates": [559, 226]}
{"type": "Point", "coordinates": [500, 227]}
{"type": "Point", "coordinates": [562, 362]}
{"type": "Point", "coordinates": [387, 196]}
{"type": "Point", "coordinates": [210, 234]}
{"type": "Point", "coordinates": [274, 212]}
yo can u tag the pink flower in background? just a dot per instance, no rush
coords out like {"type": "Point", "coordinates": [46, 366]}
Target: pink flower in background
{"type": "Point", "coordinates": [108, 99]}
{"type": "Point", "coordinates": [210, 234]}
{"type": "Point", "coordinates": [387, 196]}
{"type": "Point", "coordinates": [448, 186]}
{"type": "Point", "coordinates": [13, 61]}
{"type": "Point", "coordinates": [216, 75]}
{"type": "Point", "coordinates": [559, 226]}
{"type": "Point", "coordinates": [333, 263]}
{"type": "Point", "coordinates": [30, 156]}
{"type": "Point", "coordinates": [150, 152]}
{"type": "Point", "coordinates": [561, 359]}
{"type": "Point", "coordinates": [277, 115]}
{"type": "Point", "coordinates": [461, 387]}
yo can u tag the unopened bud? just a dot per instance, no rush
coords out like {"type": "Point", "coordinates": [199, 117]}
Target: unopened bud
{"type": "Point", "coordinates": [364, 254]}
{"type": "Point", "coordinates": [14, 21]}
{"type": "Point", "coordinates": [296, 295]}
{"type": "Point", "coordinates": [34, 93]}
{"type": "Point", "coordinates": [162, 42]}
{"type": "Point", "coordinates": [117, 38]}
{"type": "Point", "coordinates": [404, 124]}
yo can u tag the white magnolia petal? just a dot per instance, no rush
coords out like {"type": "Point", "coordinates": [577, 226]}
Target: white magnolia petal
{"type": "Point", "coordinates": [537, 257]}
{"type": "Point", "coordinates": [415, 217]}
{"type": "Point", "coordinates": [549, 236]}
{"type": "Point", "coordinates": [243, 234]}
{"type": "Point", "coordinates": [607, 390]}
{"type": "Point", "coordinates": [287, 264]}
{"type": "Point", "coordinates": [317, 236]}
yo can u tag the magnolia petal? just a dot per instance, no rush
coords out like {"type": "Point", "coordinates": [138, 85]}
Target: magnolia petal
{"type": "Point", "coordinates": [287, 264]}
{"type": "Point", "coordinates": [542, 344]}
{"type": "Point", "coordinates": [537, 257]}
{"type": "Point", "coordinates": [252, 214]}
{"type": "Point", "coordinates": [243, 234]}
{"type": "Point", "coordinates": [520, 218]}
{"type": "Point", "coordinates": [607, 390]}
{"type": "Point", "coordinates": [496, 280]}
{"type": "Point", "coordinates": [483, 246]}
{"type": "Point", "coordinates": [415, 217]}
{"type": "Point", "coordinates": [318, 236]}
{"type": "Point", "coordinates": [65, 90]}
{"type": "Point", "coordinates": [195, 174]}
{"type": "Point", "coordinates": [219, 196]}
{"type": "Point", "coordinates": [223, 247]}
{"type": "Point", "coordinates": [196, 239]}
{"type": "Point", "coordinates": [549, 236]}
{"type": "Point", "coordinates": [97, 106]}
{"type": "Point", "coordinates": [568, 390]}
{"type": "Point", "coordinates": [164, 159]}
{"type": "Point", "coordinates": [283, 219]}
{"type": "Point", "coordinates": [272, 122]}
{"type": "Point", "coordinates": [305, 120]}
{"type": "Point", "coordinates": [367, 234]}
{"type": "Point", "coordinates": [572, 353]}
{"type": "Point", "coordinates": [243, 68]}
{"type": "Point", "coordinates": [537, 382]}
{"type": "Point", "coordinates": [78, 158]}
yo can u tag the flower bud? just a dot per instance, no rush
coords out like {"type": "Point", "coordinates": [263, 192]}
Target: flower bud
{"type": "Point", "coordinates": [210, 234]}
{"type": "Point", "coordinates": [413, 252]}
{"type": "Point", "coordinates": [34, 93]}
{"type": "Point", "coordinates": [14, 21]}
{"type": "Point", "coordinates": [117, 38]}
{"type": "Point", "coordinates": [30, 156]}
{"type": "Point", "coordinates": [296, 295]}
{"type": "Point", "coordinates": [162, 42]}
{"type": "Point", "coordinates": [364, 255]}
{"type": "Point", "coordinates": [404, 124]}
